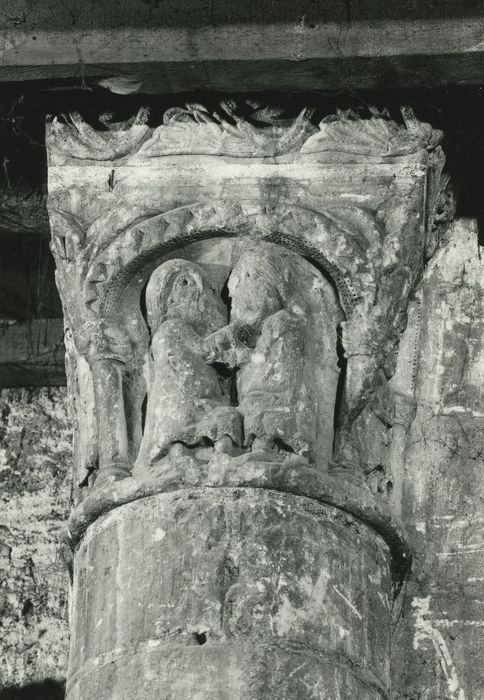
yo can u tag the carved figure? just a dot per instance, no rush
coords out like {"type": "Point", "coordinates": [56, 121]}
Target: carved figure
{"type": "Point", "coordinates": [275, 385]}
{"type": "Point", "coordinates": [365, 233]}
{"type": "Point", "coordinates": [188, 402]}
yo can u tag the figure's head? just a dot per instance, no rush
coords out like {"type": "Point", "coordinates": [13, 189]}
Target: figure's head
{"type": "Point", "coordinates": [258, 284]}
{"type": "Point", "coordinates": [179, 289]}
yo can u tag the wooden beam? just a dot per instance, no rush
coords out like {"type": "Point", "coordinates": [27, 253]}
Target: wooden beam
{"type": "Point", "coordinates": [27, 284]}
{"type": "Point", "coordinates": [32, 353]}
{"type": "Point", "coordinates": [79, 14]}
{"type": "Point", "coordinates": [298, 55]}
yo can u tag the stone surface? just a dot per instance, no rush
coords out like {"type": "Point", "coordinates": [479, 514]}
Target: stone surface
{"type": "Point", "coordinates": [235, 287]}
{"type": "Point", "coordinates": [230, 593]}
{"type": "Point", "coordinates": [35, 455]}
{"type": "Point", "coordinates": [265, 380]}
{"type": "Point", "coordinates": [439, 631]}
{"type": "Point", "coordinates": [355, 197]}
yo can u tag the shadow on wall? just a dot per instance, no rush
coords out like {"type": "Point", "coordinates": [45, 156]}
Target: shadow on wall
{"type": "Point", "coordinates": [46, 690]}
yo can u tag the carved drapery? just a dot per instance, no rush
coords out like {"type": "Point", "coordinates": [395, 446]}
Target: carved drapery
{"type": "Point", "coordinates": [257, 377]}
{"type": "Point", "coordinates": [354, 197]}
{"type": "Point", "coordinates": [234, 291]}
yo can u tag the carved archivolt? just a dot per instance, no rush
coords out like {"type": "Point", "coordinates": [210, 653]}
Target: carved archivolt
{"type": "Point", "coordinates": [335, 222]}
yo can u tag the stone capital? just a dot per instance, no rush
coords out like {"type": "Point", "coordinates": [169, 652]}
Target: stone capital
{"type": "Point", "coordinates": [235, 286]}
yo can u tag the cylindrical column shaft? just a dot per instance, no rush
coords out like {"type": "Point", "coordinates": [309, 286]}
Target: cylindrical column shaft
{"type": "Point", "coordinates": [230, 593]}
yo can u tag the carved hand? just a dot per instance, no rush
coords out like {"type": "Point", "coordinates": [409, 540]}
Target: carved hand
{"type": "Point", "coordinates": [229, 345]}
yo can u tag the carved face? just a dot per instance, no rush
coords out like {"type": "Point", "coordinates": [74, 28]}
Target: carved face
{"type": "Point", "coordinates": [257, 286]}
{"type": "Point", "coordinates": [179, 289]}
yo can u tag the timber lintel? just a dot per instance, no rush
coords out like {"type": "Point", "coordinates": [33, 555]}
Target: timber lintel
{"type": "Point", "coordinates": [302, 55]}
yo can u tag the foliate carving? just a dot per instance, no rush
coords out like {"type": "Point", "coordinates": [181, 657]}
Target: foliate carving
{"type": "Point", "coordinates": [191, 129]}
{"type": "Point", "coordinates": [236, 283]}
{"type": "Point", "coordinates": [241, 130]}
{"type": "Point", "coordinates": [82, 141]}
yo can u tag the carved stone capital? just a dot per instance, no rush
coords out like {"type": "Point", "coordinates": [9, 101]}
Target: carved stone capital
{"type": "Point", "coordinates": [235, 287]}
{"type": "Point", "coordinates": [339, 217]}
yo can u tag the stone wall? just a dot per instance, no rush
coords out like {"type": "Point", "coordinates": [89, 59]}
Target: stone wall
{"type": "Point", "coordinates": [438, 637]}
{"type": "Point", "coordinates": [35, 449]}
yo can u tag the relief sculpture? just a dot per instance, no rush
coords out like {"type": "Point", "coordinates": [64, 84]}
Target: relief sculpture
{"type": "Point", "coordinates": [284, 349]}
{"type": "Point", "coordinates": [187, 401]}
{"type": "Point", "coordinates": [239, 380]}
{"type": "Point", "coordinates": [274, 387]}
{"type": "Point", "coordinates": [236, 283]}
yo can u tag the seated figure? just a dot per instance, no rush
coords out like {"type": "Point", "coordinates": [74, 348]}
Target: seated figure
{"type": "Point", "coordinates": [275, 385]}
{"type": "Point", "coordinates": [188, 402]}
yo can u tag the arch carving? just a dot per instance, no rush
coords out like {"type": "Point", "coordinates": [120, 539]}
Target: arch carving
{"type": "Point", "coordinates": [331, 220]}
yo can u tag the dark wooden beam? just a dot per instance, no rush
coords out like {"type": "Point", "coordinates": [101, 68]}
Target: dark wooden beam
{"type": "Point", "coordinates": [88, 14]}
{"type": "Point", "coordinates": [32, 353]}
{"type": "Point", "coordinates": [27, 284]}
{"type": "Point", "coordinates": [284, 50]}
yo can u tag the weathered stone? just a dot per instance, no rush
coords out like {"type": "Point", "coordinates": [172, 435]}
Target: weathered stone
{"type": "Point", "coordinates": [348, 195]}
{"type": "Point", "coordinates": [35, 452]}
{"type": "Point", "coordinates": [235, 291]}
{"type": "Point", "coordinates": [187, 401]}
{"type": "Point", "coordinates": [234, 598]}
{"type": "Point", "coordinates": [439, 620]}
